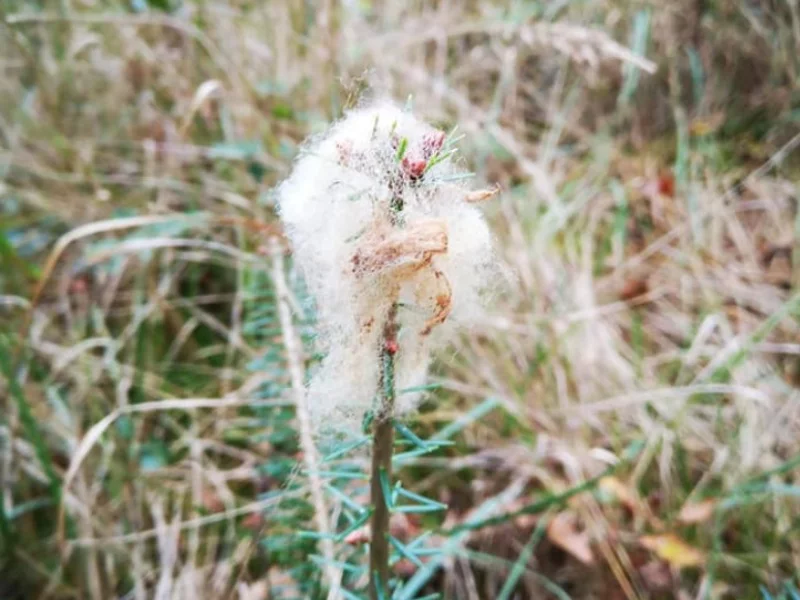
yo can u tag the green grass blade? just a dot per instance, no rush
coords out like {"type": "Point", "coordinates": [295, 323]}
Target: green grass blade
{"type": "Point", "coordinates": [518, 570]}
{"type": "Point", "coordinates": [29, 424]}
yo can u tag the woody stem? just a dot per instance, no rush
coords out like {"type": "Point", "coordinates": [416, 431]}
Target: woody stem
{"type": "Point", "coordinates": [382, 446]}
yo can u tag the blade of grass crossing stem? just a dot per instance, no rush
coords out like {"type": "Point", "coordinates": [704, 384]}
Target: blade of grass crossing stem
{"type": "Point", "coordinates": [794, 593]}
{"type": "Point", "coordinates": [422, 576]}
{"type": "Point", "coordinates": [339, 452]}
{"type": "Point", "coordinates": [357, 524]}
{"type": "Point", "coordinates": [410, 435]}
{"type": "Point", "coordinates": [619, 235]}
{"type": "Point", "coordinates": [541, 505]}
{"type": "Point", "coordinates": [760, 494]}
{"type": "Point", "coordinates": [386, 487]}
{"type": "Point", "coordinates": [404, 551]}
{"type": "Point", "coordinates": [518, 570]}
{"type": "Point", "coordinates": [640, 36]}
{"type": "Point", "coordinates": [761, 332]}
{"type": "Point", "coordinates": [698, 76]}
{"type": "Point", "coordinates": [29, 422]}
{"type": "Point", "coordinates": [789, 465]}
{"type": "Point", "coordinates": [474, 414]}
{"type": "Point", "coordinates": [346, 500]}
{"type": "Point", "coordinates": [424, 504]}
{"type": "Point", "coordinates": [379, 586]}
{"type": "Point", "coordinates": [420, 388]}
{"type": "Point", "coordinates": [350, 595]}
{"type": "Point", "coordinates": [681, 165]}
{"type": "Point", "coordinates": [743, 495]}
{"type": "Point", "coordinates": [344, 566]}
{"type": "Point", "coordinates": [552, 500]}
{"type": "Point", "coordinates": [500, 563]}
{"type": "Point", "coordinates": [789, 592]}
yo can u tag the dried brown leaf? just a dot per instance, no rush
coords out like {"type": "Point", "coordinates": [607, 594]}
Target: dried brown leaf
{"type": "Point", "coordinates": [563, 532]}
{"type": "Point", "coordinates": [697, 512]}
{"type": "Point", "coordinates": [656, 575]}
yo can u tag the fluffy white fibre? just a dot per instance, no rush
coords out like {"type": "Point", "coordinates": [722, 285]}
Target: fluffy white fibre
{"type": "Point", "coordinates": [359, 256]}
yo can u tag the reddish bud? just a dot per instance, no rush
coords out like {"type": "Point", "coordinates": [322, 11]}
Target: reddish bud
{"type": "Point", "coordinates": [414, 168]}
{"type": "Point", "coordinates": [666, 184]}
{"type": "Point", "coordinates": [78, 286]}
{"type": "Point", "coordinates": [392, 347]}
{"type": "Point", "coordinates": [358, 537]}
{"type": "Point", "coordinates": [404, 568]}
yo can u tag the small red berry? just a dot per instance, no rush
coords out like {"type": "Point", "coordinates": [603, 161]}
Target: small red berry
{"type": "Point", "coordinates": [392, 347]}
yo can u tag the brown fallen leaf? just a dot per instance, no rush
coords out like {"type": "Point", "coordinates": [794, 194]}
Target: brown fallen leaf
{"type": "Point", "coordinates": [563, 532]}
{"type": "Point", "coordinates": [697, 512]}
{"type": "Point", "coordinates": [673, 550]}
{"type": "Point", "coordinates": [656, 575]}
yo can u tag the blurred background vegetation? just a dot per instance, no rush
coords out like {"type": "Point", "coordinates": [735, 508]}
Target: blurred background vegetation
{"type": "Point", "coordinates": [628, 412]}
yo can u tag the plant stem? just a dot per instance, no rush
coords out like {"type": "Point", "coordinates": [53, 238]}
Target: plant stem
{"type": "Point", "coordinates": [382, 447]}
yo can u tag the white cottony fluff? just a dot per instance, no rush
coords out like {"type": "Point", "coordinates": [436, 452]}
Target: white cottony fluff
{"type": "Point", "coordinates": [361, 252]}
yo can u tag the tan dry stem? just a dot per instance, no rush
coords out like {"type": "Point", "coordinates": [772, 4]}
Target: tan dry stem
{"type": "Point", "coordinates": [481, 195]}
{"type": "Point", "coordinates": [310, 455]}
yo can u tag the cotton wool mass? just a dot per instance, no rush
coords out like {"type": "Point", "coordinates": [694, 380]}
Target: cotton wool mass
{"type": "Point", "coordinates": [379, 215]}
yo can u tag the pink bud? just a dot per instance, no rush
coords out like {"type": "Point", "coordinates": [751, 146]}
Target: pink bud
{"type": "Point", "coordinates": [432, 143]}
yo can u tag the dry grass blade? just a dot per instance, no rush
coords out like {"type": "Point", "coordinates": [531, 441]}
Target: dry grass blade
{"type": "Point", "coordinates": [311, 457]}
{"type": "Point", "coordinates": [96, 431]}
{"type": "Point", "coordinates": [89, 230]}
{"type": "Point", "coordinates": [149, 534]}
